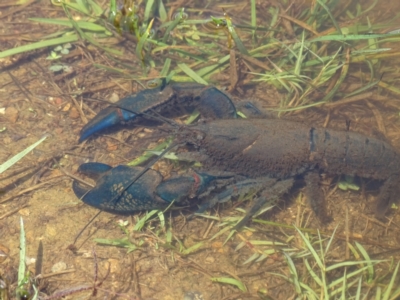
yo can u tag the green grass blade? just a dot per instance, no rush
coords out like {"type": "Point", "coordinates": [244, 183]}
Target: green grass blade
{"type": "Point", "coordinates": [371, 273]}
{"type": "Point", "coordinates": [240, 285]}
{"type": "Point", "coordinates": [161, 217]}
{"type": "Point", "coordinates": [338, 281]}
{"type": "Point", "coordinates": [148, 10]}
{"type": "Point", "coordinates": [252, 258]}
{"type": "Point", "coordinates": [162, 11]}
{"type": "Point", "coordinates": [344, 286]}
{"type": "Point", "coordinates": [82, 24]}
{"type": "Point", "coordinates": [378, 294]}
{"type": "Point", "coordinates": [351, 263]}
{"type": "Point", "coordinates": [253, 19]}
{"type": "Point", "coordinates": [297, 68]}
{"type": "Point", "coordinates": [22, 254]}
{"type": "Point", "coordinates": [38, 45]}
{"type": "Point", "coordinates": [84, 36]}
{"type": "Point", "coordinates": [83, 6]}
{"type": "Point", "coordinates": [352, 37]}
{"type": "Point", "coordinates": [113, 11]}
{"type": "Point", "coordinates": [242, 49]}
{"type": "Point", "coordinates": [13, 160]}
{"type": "Point", "coordinates": [166, 67]}
{"type": "Point", "coordinates": [358, 293]}
{"type": "Point", "coordinates": [330, 16]}
{"type": "Point", "coordinates": [362, 89]}
{"type": "Point", "coordinates": [331, 239]}
{"type": "Point", "coordinates": [140, 224]}
{"type": "Point", "coordinates": [192, 74]}
{"type": "Point", "coordinates": [123, 243]}
{"type": "Point", "coordinates": [293, 272]}
{"type": "Point", "coordinates": [386, 295]}
{"type": "Point", "coordinates": [193, 248]}
{"type": "Point", "coordinates": [171, 26]}
{"type": "Point", "coordinates": [313, 274]}
{"type": "Point", "coordinates": [98, 11]}
{"type": "Point", "coordinates": [311, 249]}
{"type": "Point", "coordinates": [145, 36]}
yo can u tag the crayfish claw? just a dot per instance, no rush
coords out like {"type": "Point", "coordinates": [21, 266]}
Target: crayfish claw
{"type": "Point", "coordinates": [117, 191]}
{"type": "Point", "coordinates": [105, 119]}
{"type": "Point", "coordinates": [94, 170]}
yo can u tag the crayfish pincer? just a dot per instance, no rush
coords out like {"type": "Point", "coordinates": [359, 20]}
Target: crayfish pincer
{"type": "Point", "coordinates": [262, 155]}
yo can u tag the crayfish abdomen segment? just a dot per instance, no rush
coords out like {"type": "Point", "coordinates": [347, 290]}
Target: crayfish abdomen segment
{"type": "Point", "coordinates": [345, 152]}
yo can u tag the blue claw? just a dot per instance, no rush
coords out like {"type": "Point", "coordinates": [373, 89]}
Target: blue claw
{"type": "Point", "coordinates": [105, 119]}
{"type": "Point", "coordinates": [210, 101]}
{"type": "Point", "coordinates": [113, 115]}
{"type": "Point", "coordinates": [115, 193]}
{"type": "Point", "coordinates": [178, 188]}
{"type": "Point", "coordinates": [107, 195]}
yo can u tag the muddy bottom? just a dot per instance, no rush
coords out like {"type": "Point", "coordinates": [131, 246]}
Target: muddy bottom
{"type": "Point", "coordinates": [172, 257]}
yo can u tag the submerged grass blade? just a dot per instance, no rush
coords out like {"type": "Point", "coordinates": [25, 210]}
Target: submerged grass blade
{"type": "Point", "coordinates": [339, 30]}
{"type": "Point", "coordinates": [82, 24]}
{"type": "Point", "coordinates": [240, 285]}
{"type": "Point", "coordinates": [140, 224]}
{"type": "Point", "coordinates": [253, 19]}
{"type": "Point", "coordinates": [38, 45]}
{"type": "Point", "coordinates": [162, 12]}
{"type": "Point", "coordinates": [193, 248]}
{"type": "Point", "coordinates": [13, 160]}
{"type": "Point", "coordinates": [371, 273]}
{"type": "Point", "coordinates": [22, 254]}
{"type": "Point", "coordinates": [145, 36]}
{"type": "Point", "coordinates": [352, 37]}
{"type": "Point", "coordinates": [238, 42]}
{"type": "Point", "coordinates": [192, 74]}
{"type": "Point", "coordinates": [313, 274]}
{"type": "Point", "coordinates": [293, 272]}
{"type": "Point", "coordinates": [386, 295]}
{"type": "Point", "coordinates": [148, 10]}
{"type": "Point", "coordinates": [171, 26]}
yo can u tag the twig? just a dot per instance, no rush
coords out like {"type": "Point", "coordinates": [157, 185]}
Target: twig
{"type": "Point", "coordinates": [13, 211]}
{"type": "Point", "coordinates": [43, 276]}
{"type": "Point", "coordinates": [35, 187]}
{"type": "Point", "coordinates": [76, 178]}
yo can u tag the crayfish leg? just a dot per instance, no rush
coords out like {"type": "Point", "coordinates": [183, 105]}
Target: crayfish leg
{"type": "Point", "coordinates": [269, 195]}
{"type": "Point", "coordinates": [315, 196]}
{"type": "Point", "coordinates": [388, 195]}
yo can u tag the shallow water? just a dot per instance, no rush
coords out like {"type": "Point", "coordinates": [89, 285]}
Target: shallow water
{"type": "Point", "coordinates": [37, 101]}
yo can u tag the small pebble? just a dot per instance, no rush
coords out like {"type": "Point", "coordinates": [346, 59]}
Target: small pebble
{"type": "Point", "coordinates": [58, 267]}
{"type": "Point", "coordinates": [24, 212]}
{"type": "Point", "coordinates": [209, 260]}
{"type": "Point", "coordinates": [4, 252]}
{"type": "Point", "coordinates": [67, 107]}
{"type": "Point", "coordinates": [114, 98]}
{"type": "Point", "coordinates": [114, 265]}
{"type": "Point", "coordinates": [111, 146]}
{"type": "Point", "coordinates": [51, 231]}
{"type": "Point", "coordinates": [193, 296]}
{"type": "Point", "coordinates": [11, 114]}
{"type": "Point", "coordinates": [30, 260]}
{"type": "Point", "coordinates": [74, 113]}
